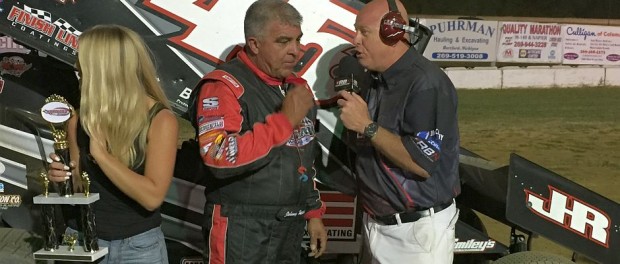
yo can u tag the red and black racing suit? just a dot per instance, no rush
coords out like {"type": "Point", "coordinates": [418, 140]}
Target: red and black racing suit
{"type": "Point", "coordinates": [257, 198]}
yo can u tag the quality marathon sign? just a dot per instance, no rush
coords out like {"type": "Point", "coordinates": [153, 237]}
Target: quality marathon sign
{"type": "Point", "coordinates": [524, 42]}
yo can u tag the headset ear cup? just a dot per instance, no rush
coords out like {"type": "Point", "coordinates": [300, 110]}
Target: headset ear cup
{"type": "Point", "coordinates": [390, 35]}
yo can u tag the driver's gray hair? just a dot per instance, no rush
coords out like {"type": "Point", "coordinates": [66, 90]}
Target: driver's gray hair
{"type": "Point", "coordinates": [261, 12]}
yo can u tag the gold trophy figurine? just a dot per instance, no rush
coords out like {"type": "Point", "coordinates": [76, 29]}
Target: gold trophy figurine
{"type": "Point", "coordinates": [70, 240]}
{"type": "Point", "coordinates": [46, 183]}
{"type": "Point", "coordinates": [57, 111]}
{"type": "Point", "coordinates": [86, 183]}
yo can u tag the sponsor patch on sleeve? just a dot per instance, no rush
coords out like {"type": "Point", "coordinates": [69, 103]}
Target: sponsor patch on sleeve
{"type": "Point", "coordinates": [208, 139]}
{"type": "Point", "coordinates": [232, 149]}
{"type": "Point", "coordinates": [231, 80]}
{"type": "Point", "coordinates": [217, 149]}
{"type": "Point", "coordinates": [211, 125]}
{"type": "Point", "coordinates": [226, 78]}
{"type": "Point", "coordinates": [429, 143]}
{"type": "Point", "coordinates": [211, 103]}
{"type": "Point", "coordinates": [205, 149]}
{"type": "Point", "coordinates": [211, 136]}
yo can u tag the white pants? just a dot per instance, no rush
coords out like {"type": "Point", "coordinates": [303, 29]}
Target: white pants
{"type": "Point", "coordinates": [430, 240]}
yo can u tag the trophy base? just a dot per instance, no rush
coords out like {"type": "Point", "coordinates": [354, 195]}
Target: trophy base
{"type": "Point", "coordinates": [63, 254]}
{"type": "Point", "coordinates": [54, 198]}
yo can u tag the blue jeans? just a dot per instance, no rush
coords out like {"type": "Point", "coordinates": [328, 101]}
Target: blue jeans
{"type": "Point", "coordinates": [148, 248]}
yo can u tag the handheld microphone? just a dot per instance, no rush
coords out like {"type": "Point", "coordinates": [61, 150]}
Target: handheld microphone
{"type": "Point", "coordinates": [350, 76]}
{"type": "Point", "coordinates": [347, 83]}
{"type": "Point", "coordinates": [349, 70]}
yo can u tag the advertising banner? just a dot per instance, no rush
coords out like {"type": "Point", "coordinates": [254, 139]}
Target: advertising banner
{"type": "Point", "coordinates": [461, 40]}
{"type": "Point", "coordinates": [526, 42]}
{"type": "Point", "coordinates": [587, 44]}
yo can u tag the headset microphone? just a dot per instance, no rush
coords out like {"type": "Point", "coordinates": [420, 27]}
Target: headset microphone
{"type": "Point", "coordinates": [393, 26]}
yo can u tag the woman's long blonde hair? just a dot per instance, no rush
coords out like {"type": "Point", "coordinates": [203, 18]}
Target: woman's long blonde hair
{"type": "Point", "coordinates": [117, 77]}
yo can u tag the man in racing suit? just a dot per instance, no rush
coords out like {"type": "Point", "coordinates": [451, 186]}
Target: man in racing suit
{"type": "Point", "coordinates": [255, 122]}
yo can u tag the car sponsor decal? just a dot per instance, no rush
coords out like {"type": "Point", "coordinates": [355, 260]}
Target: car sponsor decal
{"type": "Point", "coordinates": [42, 25]}
{"type": "Point", "coordinates": [473, 245]}
{"type": "Point", "coordinates": [8, 200]}
{"type": "Point", "coordinates": [572, 214]}
{"type": "Point", "coordinates": [14, 65]}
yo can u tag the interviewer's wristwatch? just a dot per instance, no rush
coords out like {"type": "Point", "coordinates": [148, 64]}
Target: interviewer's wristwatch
{"type": "Point", "coordinates": [370, 130]}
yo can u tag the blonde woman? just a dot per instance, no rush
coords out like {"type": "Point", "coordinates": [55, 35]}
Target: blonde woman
{"type": "Point", "coordinates": [124, 136]}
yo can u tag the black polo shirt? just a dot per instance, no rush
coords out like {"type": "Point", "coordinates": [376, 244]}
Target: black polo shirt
{"type": "Point", "coordinates": [416, 100]}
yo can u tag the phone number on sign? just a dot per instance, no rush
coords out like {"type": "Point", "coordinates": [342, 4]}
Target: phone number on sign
{"type": "Point", "coordinates": [592, 52]}
{"type": "Point", "coordinates": [530, 44]}
{"type": "Point", "coordinates": [459, 56]}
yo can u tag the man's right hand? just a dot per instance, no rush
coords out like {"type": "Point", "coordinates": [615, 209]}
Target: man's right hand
{"type": "Point", "coordinates": [297, 102]}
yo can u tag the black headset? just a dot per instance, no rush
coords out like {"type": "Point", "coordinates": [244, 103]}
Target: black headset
{"type": "Point", "coordinates": [393, 27]}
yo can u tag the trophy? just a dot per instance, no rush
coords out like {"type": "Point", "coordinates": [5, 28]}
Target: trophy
{"type": "Point", "coordinates": [57, 111]}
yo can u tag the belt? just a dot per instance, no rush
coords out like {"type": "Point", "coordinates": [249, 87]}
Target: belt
{"type": "Point", "coordinates": [411, 216]}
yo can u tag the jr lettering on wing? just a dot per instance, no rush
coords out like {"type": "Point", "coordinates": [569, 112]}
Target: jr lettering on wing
{"type": "Point", "coordinates": [571, 213]}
